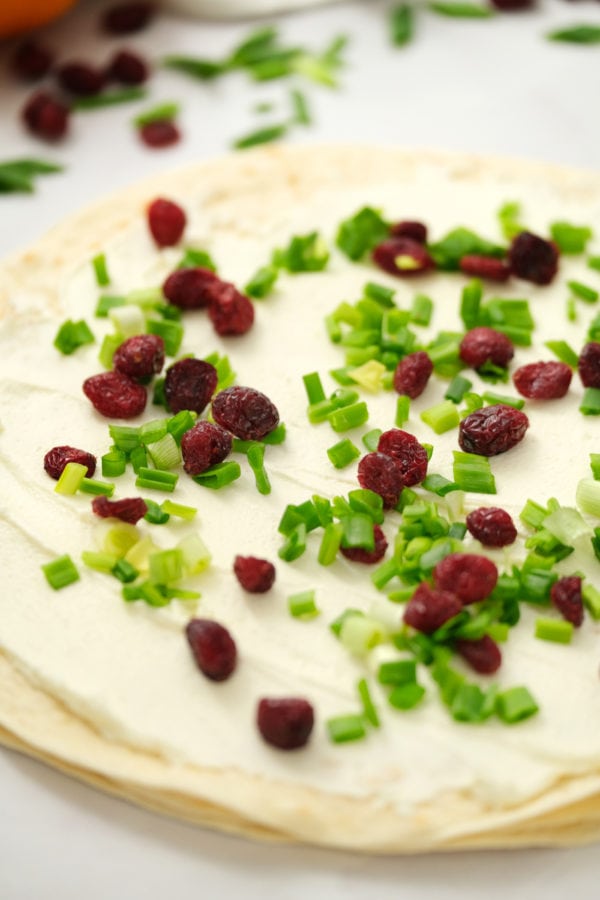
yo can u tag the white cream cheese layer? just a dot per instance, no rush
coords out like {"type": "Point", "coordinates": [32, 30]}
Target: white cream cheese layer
{"type": "Point", "coordinates": [126, 668]}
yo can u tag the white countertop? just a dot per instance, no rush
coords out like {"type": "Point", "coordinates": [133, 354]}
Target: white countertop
{"type": "Point", "coordinates": [491, 86]}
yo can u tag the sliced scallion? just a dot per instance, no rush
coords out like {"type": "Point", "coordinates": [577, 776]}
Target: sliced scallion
{"type": "Point", "coordinates": [342, 729]}
{"type": "Point", "coordinates": [557, 630]}
{"type": "Point", "coordinates": [72, 335]}
{"type": "Point", "coordinates": [442, 417]}
{"type": "Point", "coordinates": [61, 572]}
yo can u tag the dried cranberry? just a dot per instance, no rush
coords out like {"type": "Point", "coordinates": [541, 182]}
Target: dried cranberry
{"type": "Point", "coordinates": [510, 5]}
{"type": "Point", "coordinates": [230, 311]}
{"type": "Point", "coordinates": [203, 446]}
{"type": "Point", "coordinates": [402, 256]}
{"type": "Point", "coordinates": [285, 722]}
{"type": "Point", "coordinates": [115, 396]}
{"type": "Point", "coordinates": [416, 231]}
{"type": "Point", "coordinates": [126, 18]}
{"type": "Point", "coordinates": [492, 526]}
{"type": "Point", "coordinates": [130, 509]}
{"type": "Point", "coordinates": [483, 345]}
{"type": "Point", "coordinates": [543, 380]}
{"type": "Point", "coordinates": [255, 575]}
{"type": "Point", "coordinates": [482, 654]}
{"type": "Point", "coordinates": [189, 288]}
{"type": "Point", "coordinates": [368, 557]}
{"type": "Point", "coordinates": [31, 61]}
{"type": "Point", "coordinates": [189, 384]}
{"type": "Point", "coordinates": [566, 596]}
{"type": "Point", "coordinates": [245, 412]}
{"type": "Point", "coordinates": [166, 221]}
{"type": "Point", "coordinates": [382, 474]}
{"type": "Point", "coordinates": [429, 608]}
{"type": "Point", "coordinates": [213, 648]}
{"type": "Point", "coordinates": [161, 133]}
{"type": "Point", "coordinates": [485, 267]}
{"type": "Point", "coordinates": [128, 68]}
{"type": "Point", "coordinates": [412, 374]}
{"type": "Point", "coordinates": [533, 258]}
{"type": "Point", "coordinates": [46, 117]}
{"type": "Point", "coordinates": [470, 576]}
{"type": "Point", "coordinates": [56, 459]}
{"type": "Point", "coordinates": [80, 79]}
{"type": "Point", "coordinates": [140, 356]}
{"type": "Point", "coordinates": [411, 455]}
{"type": "Point", "coordinates": [492, 430]}
{"type": "Point", "coordinates": [588, 365]}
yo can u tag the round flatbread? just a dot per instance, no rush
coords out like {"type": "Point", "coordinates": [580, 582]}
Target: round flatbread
{"type": "Point", "coordinates": [108, 690]}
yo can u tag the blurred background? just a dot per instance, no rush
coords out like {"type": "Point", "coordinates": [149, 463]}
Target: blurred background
{"type": "Point", "coordinates": [517, 83]}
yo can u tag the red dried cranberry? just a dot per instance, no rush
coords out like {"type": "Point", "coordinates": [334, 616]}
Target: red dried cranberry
{"type": "Point", "coordinates": [255, 575]}
{"type": "Point", "coordinates": [485, 267]}
{"type": "Point", "coordinates": [161, 133]}
{"type": "Point", "coordinates": [230, 311]}
{"type": "Point", "coordinates": [127, 18]}
{"type": "Point", "coordinates": [533, 258]}
{"type": "Point", "coordinates": [245, 412]}
{"type": "Point", "coordinates": [56, 459]}
{"type": "Point", "coordinates": [115, 396]}
{"type": "Point", "coordinates": [213, 648]}
{"type": "Point", "coordinates": [412, 374]}
{"type": "Point", "coordinates": [31, 61]}
{"type": "Point", "coordinates": [127, 68]}
{"type": "Point", "coordinates": [140, 356]}
{"type": "Point", "coordinates": [588, 365]}
{"type": "Point", "coordinates": [482, 654]}
{"type": "Point", "coordinates": [566, 596]}
{"type": "Point", "coordinates": [368, 557]}
{"type": "Point", "coordinates": [382, 474]}
{"type": "Point", "coordinates": [402, 256]}
{"type": "Point", "coordinates": [486, 345]}
{"type": "Point", "coordinates": [46, 117]}
{"type": "Point", "coordinates": [80, 79]}
{"type": "Point", "coordinates": [189, 384]}
{"type": "Point", "coordinates": [510, 5]}
{"type": "Point", "coordinates": [543, 380]}
{"type": "Point", "coordinates": [416, 231]}
{"type": "Point", "coordinates": [470, 576]}
{"type": "Point", "coordinates": [166, 221]}
{"type": "Point", "coordinates": [429, 608]}
{"type": "Point", "coordinates": [285, 722]}
{"type": "Point", "coordinates": [130, 509]}
{"type": "Point", "coordinates": [189, 288]}
{"type": "Point", "coordinates": [411, 455]}
{"type": "Point", "coordinates": [492, 526]}
{"type": "Point", "coordinates": [492, 430]}
{"type": "Point", "coordinates": [203, 446]}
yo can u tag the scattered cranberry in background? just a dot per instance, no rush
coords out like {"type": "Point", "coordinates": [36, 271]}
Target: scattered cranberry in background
{"type": "Point", "coordinates": [412, 374]}
{"type": "Point", "coordinates": [80, 79]}
{"type": "Point", "coordinates": [285, 723]}
{"type": "Point", "coordinates": [189, 288]}
{"type": "Point", "coordinates": [483, 345]}
{"type": "Point", "coordinates": [482, 654]}
{"type": "Point", "coordinates": [140, 356]}
{"type": "Point", "coordinates": [166, 221]}
{"type": "Point", "coordinates": [510, 5]}
{"type": "Point", "coordinates": [492, 430]}
{"type": "Point", "coordinates": [429, 608]}
{"type": "Point", "coordinates": [416, 231]}
{"type": "Point", "coordinates": [127, 18]}
{"type": "Point", "coordinates": [130, 509]}
{"type": "Point", "coordinates": [543, 380]}
{"type": "Point", "coordinates": [189, 384]}
{"type": "Point", "coordinates": [406, 449]}
{"type": "Point", "coordinates": [230, 311]}
{"type": "Point", "coordinates": [246, 412]}
{"type": "Point", "coordinates": [213, 648]}
{"type": "Point", "coordinates": [485, 267]}
{"type": "Point", "coordinates": [46, 117]}
{"type": "Point", "coordinates": [382, 474]}
{"type": "Point", "coordinates": [402, 256]}
{"type": "Point", "coordinates": [203, 446]}
{"type": "Point", "coordinates": [255, 575]}
{"type": "Point", "coordinates": [115, 396]}
{"type": "Point", "coordinates": [470, 576]}
{"type": "Point", "coordinates": [492, 526]}
{"type": "Point", "coordinates": [588, 365]}
{"type": "Point", "coordinates": [57, 458]}
{"type": "Point", "coordinates": [127, 67]}
{"type": "Point", "coordinates": [32, 61]}
{"type": "Point", "coordinates": [533, 258]}
{"type": "Point", "coordinates": [565, 594]}
{"type": "Point", "coordinates": [161, 133]}
{"type": "Point", "coordinates": [368, 557]}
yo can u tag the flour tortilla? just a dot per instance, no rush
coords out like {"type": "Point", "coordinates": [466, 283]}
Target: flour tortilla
{"type": "Point", "coordinates": [253, 187]}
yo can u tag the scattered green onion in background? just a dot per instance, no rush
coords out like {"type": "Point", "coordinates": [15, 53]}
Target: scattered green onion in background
{"type": "Point", "coordinates": [17, 175]}
{"type": "Point", "coordinates": [108, 98]}
{"type": "Point", "coordinates": [401, 24]}
{"type": "Point", "coordinates": [459, 10]}
{"type": "Point", "coordinates": [576, 34]}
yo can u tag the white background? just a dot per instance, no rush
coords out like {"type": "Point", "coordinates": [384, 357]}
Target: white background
{"type": "Point", "coordinates": [491, 86]}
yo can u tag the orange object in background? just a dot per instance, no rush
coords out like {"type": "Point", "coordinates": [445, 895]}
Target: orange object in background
{"type": "Point", "coordinates": [21, 15]}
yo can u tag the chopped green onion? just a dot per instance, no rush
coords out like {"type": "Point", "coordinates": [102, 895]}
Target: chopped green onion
{"type": "Point", "coordinates": [362, 500]}
{"type": "Point", "coordinates": [563, 352]}
{"type": "Point", "coordinates": [576, 34]}
{"type": "Point", "coordinates": [100, 270]}
{"type": "Point", "coordinates": [439, 485]}
{"type": "Point", "coordinates": [342, 729]}
{"type": "Point", "coordinates": [509, 217]}
{"type": "Point", "coordinates": [370, 375]}
{"type": "Point", "coordinates": [571, 239]}
{"type": "Point", "coordinates": [300, 514]}
{"type": "Point", "coordinates": [124, 571]}
{"type": "Point", "coordinates": [566, 524]}
{"type": "Point", "coordinates": [583, 291]}
{"type": "Point", "coordinates": [152, 431]}
{"type": "Point", "coordinates": [70, 479]}
{"type": "Point", "coordinates": [155, 514]}
{"type": "Point", "coordinates": [160, 113]}
{"type": "Point", "coordinates": [402, 671]}
{"type": "Point", "coordinates": [164, 453]}
{"type": "Point", "coordinates": [156, 479]}
{"type": "Point", "coordinates": [171, 332]}
{"type": "Point", "coordinates": [179, 510]}
{"type": "Point", "coordinates": [369, 709]}
{"type": "Point", "coordinates": [262, 282]}
{"type": "Point", "coordinates": [358, 531]}
{"type": "Point", "coordinates": [181, 422]}
{"type": "Point", "coordinates": [303, 606]}
{"type": "Point", "coordinates": [108, 98]}
{"type": "Point", "coordinates": [166, 566]}
{"type": "Point", "coordinates": [458, 10]}
{"type": "Point", "coordinates": [107, 302]}
{"type": "Point", "coordinates": [469, 704]}
{"type": "Point", "coordinates": [110, 342]}
{"type": "Point", "coordinates": [515, 704]}
{"type": "Point", "coordinates": [590, 402]}
{"type": "Point", "coordinates": [493, 398]}
{"type": "Point", "coordinates": [587, 496]}
{"type": "Point", "coordinates": [401, 24]}
{"type": "Point", "coordinates": [72, 335]}
{"type": "Point", "coordinates": [457, 389]}
{"type": "Point", "coordinates": [442, 417]}
{"type": "Point", "coordinates": [330, 543]}
{"type": "Point", "coordinates": [591, 600]}
{"type": "Point", "coordinates": [193, 257]}
{"type": "Point", "coordinates": [381, 294]}
{"type": "Point", "coordinates": [472, 473]}
{"type": "Point", "coordinates": [295, 544]}
{"type": "Point", "coordinates": [301, 112]}
{"type": "Point", "coordinates": [61, 572]}
{"type": "Point", "coordinates": [594, 263]}
{"type": "Point", "coordinates": [360, 633]}
{"type": "Point", "coordinates": [219, 475]}
{"type": "Point", "coordinates": [277, 436]}
{"type": "Point", "coordinates": [371, 439]}
{"type": "Point", "coordinates": [470, 302]}
{"type": "Point", "coordinates": [99, 562]}
{"type": "Point", "coordinates": [349, 417]}
{"type": "Point", "coordinates": [343, 453]}
{"type": "Point", "coordinates": [448, 252]}
{"type": "Point", "coordinates": [261, 136]}
{"type": "Point", "coordinates": [314, 387]}
{"type": "Point", "coordinates": [406, 696]}
{"type": "Point", "coordinates": [384, 573]}
{"type": "Point", "coordinates": [195, 555]}
{"type": "Point", "coordinates": [595, 465]}
{"type": "Point", "coordinates": [557, 630]}
{"type": "Point", "coordinates": [16, 175]}
{"type": "Point", "coordinates": [97, 488]}
{"type": "Point", "coordinates": [361, 233]}
{"type": "Point", "coordinates": [255, 455]}
{"type": "Point", "coordinates": [402, 410]}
